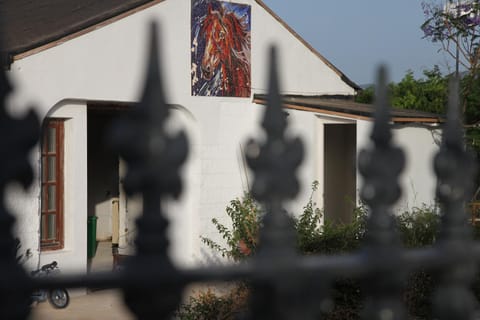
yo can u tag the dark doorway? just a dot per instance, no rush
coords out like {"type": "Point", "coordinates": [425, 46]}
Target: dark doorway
{"type": "Point", "coordinates": [103, 188]}
{"type": "Point", "coordinates": [340, 172]}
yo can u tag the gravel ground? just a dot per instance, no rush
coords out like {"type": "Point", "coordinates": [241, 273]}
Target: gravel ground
{"type": "Point", "coordinates": [98, 305]}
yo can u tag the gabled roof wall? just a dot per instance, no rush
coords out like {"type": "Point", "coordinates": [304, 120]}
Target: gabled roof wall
{"type": "Point", "coordinates": [35, 25]}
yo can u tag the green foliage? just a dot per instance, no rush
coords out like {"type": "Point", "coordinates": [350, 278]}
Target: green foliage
{"type": "Point", "coordinates": [470, 89]}
{"type": "Point", "coordinates": [418, 227]}
{"type": "Point", "coordinates": [331, 238]}
{"type": "Point", "coordinates": [456, 26]}
{"type": "Point", "coordinates": [313, 234]}
{"type": "Point", "coordinates": [428, 93]}
{"type": "Point", "coordinates": [365, 95]}
{"type": "Point", "coordinates": [241, 239]}
{"type": "Point", "coordinates": [406, 92]}
{"type": "Point", "coordinates": [473, 134]}
{"type": "Point", "coordinates": [308, 225]}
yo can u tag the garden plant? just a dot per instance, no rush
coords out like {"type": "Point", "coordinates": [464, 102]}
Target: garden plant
{"type": "Point", "coordinates": [418, 227]}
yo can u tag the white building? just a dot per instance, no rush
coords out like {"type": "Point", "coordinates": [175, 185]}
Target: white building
{"type": "Point", "coordinates": [82, 68]}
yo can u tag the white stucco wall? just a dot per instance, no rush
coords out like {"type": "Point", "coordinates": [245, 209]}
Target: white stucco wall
{"type": "Point", "coordinates": [420, 143]}
{"type": "Point", "coordinates": [23, 205]}
{"type": "Point", "coordinates": [363, 141]}
{"type": "Point", "coordinates": [72, 258]}
{"type": "Point", "coordinates": [26, 205]}
{"type": "Point", "coordinates": [108, 64]}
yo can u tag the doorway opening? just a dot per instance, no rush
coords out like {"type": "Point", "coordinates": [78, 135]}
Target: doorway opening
{"type": "Point", "coordinates": [340, 172]}
{"type": "Point", "coordinates": [103, 189]}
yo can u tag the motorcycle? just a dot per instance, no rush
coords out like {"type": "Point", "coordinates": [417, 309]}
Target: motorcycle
{"type": "Point", "coordinates": [58, 297]}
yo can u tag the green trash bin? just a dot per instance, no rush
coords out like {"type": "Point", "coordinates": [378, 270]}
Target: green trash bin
{"type": "Point", "coordinates": [91, 236]}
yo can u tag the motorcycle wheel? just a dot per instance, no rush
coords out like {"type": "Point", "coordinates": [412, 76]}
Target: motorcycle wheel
{"type": "Point", "coordinates": [59, 298]}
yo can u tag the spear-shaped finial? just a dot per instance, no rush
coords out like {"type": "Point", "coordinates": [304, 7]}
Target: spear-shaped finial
{"type": "Point", "coordinates": [276, 160]}
{"type": "Point", "coordinates": [455, 168]}
{"type": "Point", "coordinates": [381, 165]}
{"type": "Point", "coordinates": [274, 163]}
{"type": "Point", "coordinates": [154, 157]}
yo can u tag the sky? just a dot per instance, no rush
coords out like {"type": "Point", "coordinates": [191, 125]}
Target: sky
{"type": "Point", "coordinates": [357, 36]}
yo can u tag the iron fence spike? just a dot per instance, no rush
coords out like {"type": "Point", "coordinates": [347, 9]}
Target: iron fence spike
{"type": "Point", "coordinates": [454, 167]}
{"type": "Point", "coordinates": [154, 158]}
{"type": "Point", "coordinates": [380, 166]}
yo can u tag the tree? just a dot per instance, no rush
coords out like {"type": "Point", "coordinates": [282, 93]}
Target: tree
{"type": "Point", "coordinates": [456, 26]}
{"type": "Point", "coordinates": [365, 95]}
{"type": "Point", "coordinates": [428, 93]}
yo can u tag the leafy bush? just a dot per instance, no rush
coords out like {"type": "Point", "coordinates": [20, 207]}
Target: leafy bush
{"type": "Point", "coordinates": [417, 227]}
{"type": "Point", "coordinates": [330, 238]}
{"type": "Point", "coordinates": [308, 225]}
{"type": "Point", "coordinates": [312, 236]}
{"type": "Point", "coordinates": [241, 239]}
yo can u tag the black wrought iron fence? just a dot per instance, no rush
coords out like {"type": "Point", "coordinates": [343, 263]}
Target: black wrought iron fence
{"type": "Point", "coordinates": [286, 285]}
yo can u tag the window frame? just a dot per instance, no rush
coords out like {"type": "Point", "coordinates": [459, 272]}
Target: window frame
{"type": "Point", "coordinates": [57, 242]}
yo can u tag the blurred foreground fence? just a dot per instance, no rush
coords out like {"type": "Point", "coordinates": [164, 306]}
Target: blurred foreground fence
{"type": "Point", "coordinates": [285, 284]}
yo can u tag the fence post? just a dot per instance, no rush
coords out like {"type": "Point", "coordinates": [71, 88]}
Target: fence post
{"type": "Point", "coordinates": [280, 290]}
{"type": "Point", "coordinates": [455, 168]}
{"type": "Point", "coordinates": [381, 166]}
{"type": "Point", "coordinates": [154, 157]}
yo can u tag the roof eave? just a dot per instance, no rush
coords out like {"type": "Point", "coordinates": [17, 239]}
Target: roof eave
{"type": "Point", "coordinates": [77, 31]}
{"type": "Point", "coordinates": [357, 114]}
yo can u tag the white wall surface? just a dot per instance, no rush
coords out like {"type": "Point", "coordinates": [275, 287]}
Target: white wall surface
{"type": "Point", "coordinates": [108, 64]}
{"type": "Point", "coordinates": [73, 256]}
{"type": "Point", "coordinates": [418, 180]}
{"type": "Point", "coordinates": [23, 205]}
{"type": "Point", "coordinates": [363, 141]}
{"type": "Point", "coordinates": [26, 206]}
{"type": "Point", "coordinates": [420, 143]}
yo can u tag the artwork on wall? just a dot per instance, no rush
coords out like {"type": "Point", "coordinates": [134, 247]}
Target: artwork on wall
{"type": "Point", "coordinates": [220, 35]}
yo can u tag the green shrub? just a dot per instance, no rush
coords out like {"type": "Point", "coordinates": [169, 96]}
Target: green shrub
{"type": "Point", "coordinates": [308, 224]}
{"type": "Point", "coordinates": [418, 227]}
{"type": "Point", "coordinates": [332, 238]}
{"type": "Point", "coordinates": [312, 236]}
{"type": "Point", "coordinates": [241, 238]}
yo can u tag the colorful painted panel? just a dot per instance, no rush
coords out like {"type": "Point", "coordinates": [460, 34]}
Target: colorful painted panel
{"type": "Point", "coordinates": [220, 49]}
